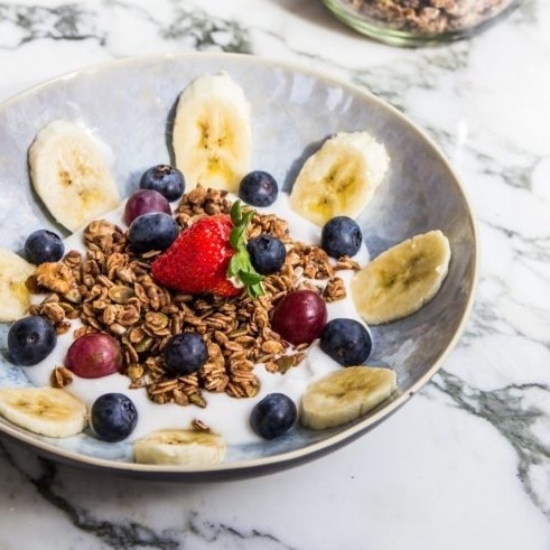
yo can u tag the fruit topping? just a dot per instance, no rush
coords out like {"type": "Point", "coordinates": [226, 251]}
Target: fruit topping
{"type": "Point", "coordinates": [273, 416]}
{"type": "Point", "coordinates": [14, 293]}
{"type": "Point", "coordinates": [185, 353]}
{"type": "Point", "coordinates": [43, 246]}
{"type": "Point", "coordinates": [198, 260]}
{"type": "Point", "coordinates": [258, 188]}
{"type": "Point", "coordinates": [153, 231]}
{"type": "Point", "coordinates": [347, 341]}
{"type": "Point", "coordinates": [341, 236]}
{"type": "Point", "coordinates": [94, 355]}
{"type": "Point", "coordinates": [166, 180]}
{"type": "Point", "coordinates": [51, 412]}
{"type": "Point", "coordinates": [344, 395]}
{"type": "Point", "coordinates": [340, 178]}
{"type": "Point", "coordinates": [69, 173]}
{"type": "Point", "coordinates": [186, 447]}
{"type": "Point", "coordinates": [402, 279]}
{"type": "Point", "coordinates": [300, 317]}
{"type": "Point", "coordinates": [113, 417]}
{"type": "Point", "coordinates": [144, 201]}
{"type": "Point", "coordinates": [208, 256]}
{"type": "Point", "coordinates": [267, 254]}
{"type": "Point", "coordinates": [211, 137]}
{"type": "Point", "coordinates": [30, 340]}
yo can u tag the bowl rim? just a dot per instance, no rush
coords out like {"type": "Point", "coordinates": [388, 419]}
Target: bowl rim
{"type": "Point", "coordinates": [268, 464]}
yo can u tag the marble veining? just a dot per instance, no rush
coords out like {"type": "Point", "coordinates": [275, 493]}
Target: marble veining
{"type": "Point", "coordinates": [132, 534]}
{"type": "Point", "coordinates": [202, 32]}
{"type": "Point", "coordinates": [114, 535]}
{"type": "Point", "coordinates": [21, 24]}
{"type": "Point", "coordinates": [498, 378]}
{"type": "Point", "coordinates": [513, 410]}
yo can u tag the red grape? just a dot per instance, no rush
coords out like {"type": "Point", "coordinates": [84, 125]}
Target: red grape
{"type": "Point", "coordinates": [94, 356]}
{"type": "Point", "coordinates": [300, 317]}
{"type": "Point", "coordinates": [144, 201]}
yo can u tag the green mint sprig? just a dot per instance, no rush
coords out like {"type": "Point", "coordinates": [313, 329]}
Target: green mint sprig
{"type": "Point", "coordinates": [240, 266]}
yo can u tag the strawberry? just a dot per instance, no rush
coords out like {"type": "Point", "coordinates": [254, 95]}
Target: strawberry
{"type": "Point", "coordinates": [206, 255]}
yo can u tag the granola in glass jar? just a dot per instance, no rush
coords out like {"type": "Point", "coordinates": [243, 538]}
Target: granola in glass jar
{"type": "Point", "coordinates": [419, 22]}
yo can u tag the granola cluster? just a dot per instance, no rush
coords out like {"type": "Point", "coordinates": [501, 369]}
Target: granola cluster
{"type": "Point", "coordinates": [110, 289]}
{"type": "Point", "coordinates": [430, 16]}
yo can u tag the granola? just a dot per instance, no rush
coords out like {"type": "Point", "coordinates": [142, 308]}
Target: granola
{"type": "Point", "coordinates": [110, 289]}
{"type": "Point", "coordinates": [429, 16]}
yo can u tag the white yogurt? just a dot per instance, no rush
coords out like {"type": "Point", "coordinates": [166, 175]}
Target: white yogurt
{"type": "Point", "coordinates": [225, 415]}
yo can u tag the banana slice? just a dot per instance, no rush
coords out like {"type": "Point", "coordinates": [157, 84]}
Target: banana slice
{"type": "Point", "coordinates": [70, 174]}
{"type": "Point", "coordinates": [45, 411]}
{"type": "Point", "coordinates": [212, 133]}
{"type": "Point", "coordinates": [340, 178]}
{"type": "Point", "coordinates": [344, 395]}
{"type": "Point", "coordinates": [14, 295]}
{"type": "Point", "coordinates": [184, 447]}
{"type": "Point", "coordinates": [402, 279]}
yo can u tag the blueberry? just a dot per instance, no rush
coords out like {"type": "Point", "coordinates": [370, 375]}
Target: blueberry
{"type": "Point", "coordinates": [267, 254]}
{"type": "Point", "coordinates": [185, 353]}
{"type": "Point", "coordinates": [341, 236]}
{"type": "Point", "coordinates": [113, 417]}
{"type": "Point", "coordinates": [258, 188]}
{"type": "Point", "coordinates": [346, 341]}
{"type": "Point", "coordinates": [44, 246]}
{"type": "Point", "coordinates": [152, 231]}
{"type": "Point", "coordinates": [165, 179]}
{"type": "Point", "coordinates": [273, 416]}
{"type": "Point", "coordinates": [30, 340]}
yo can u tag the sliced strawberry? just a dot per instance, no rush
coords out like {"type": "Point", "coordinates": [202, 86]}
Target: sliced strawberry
{"type": "Point", "coordinates": [197, 261]}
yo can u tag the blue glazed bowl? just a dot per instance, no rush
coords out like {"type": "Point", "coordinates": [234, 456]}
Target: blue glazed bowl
{"type": "Point", "coordinates": [293, 110]}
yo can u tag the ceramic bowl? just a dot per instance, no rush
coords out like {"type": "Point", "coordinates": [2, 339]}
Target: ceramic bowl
{"type": "Point", "coordinates": [129, 103]}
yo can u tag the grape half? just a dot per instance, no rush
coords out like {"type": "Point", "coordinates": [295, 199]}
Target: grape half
{"type": "Point", "coordinates": [144, 201]}
{"type": "Point", "coordinates": [94, 356]}
{"type": "Point", "coordinates": [300, 317]}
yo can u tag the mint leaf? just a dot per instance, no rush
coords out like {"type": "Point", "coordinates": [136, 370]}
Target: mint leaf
{"type": "Point", "coordinates": [250, 278]}
{"type": "Point", "coordinates": [255, 291]}
{"type": "Point", "coordinates": [247, 217]}
{"type": "Point", "coordinates": [234, 267]}
{"type": "Point", "coordinates": [240, 266]}
{"type": "Point", "coordinates": [236, 213]}
{"type": "Point", "coordinates": [237, 237]}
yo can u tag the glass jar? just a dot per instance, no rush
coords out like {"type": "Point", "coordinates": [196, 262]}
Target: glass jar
{"type": "Point", "coordinates": [419, 22]}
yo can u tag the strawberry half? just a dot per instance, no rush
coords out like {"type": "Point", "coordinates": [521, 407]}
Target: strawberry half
{"type": "Point", "coordinates": [209, 253]}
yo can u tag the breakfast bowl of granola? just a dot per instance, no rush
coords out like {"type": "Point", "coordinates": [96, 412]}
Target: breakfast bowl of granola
{"type": "Point", "coordinates": [230, 267]}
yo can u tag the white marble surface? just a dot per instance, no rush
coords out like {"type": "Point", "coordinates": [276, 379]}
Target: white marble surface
{"type": "Point", "coordinates": [466, 464]}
